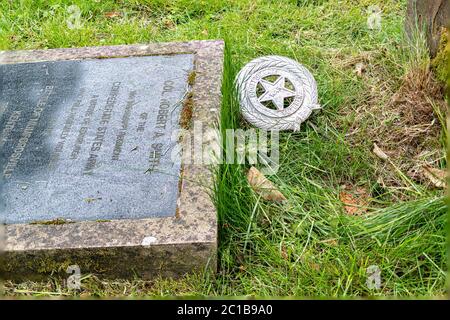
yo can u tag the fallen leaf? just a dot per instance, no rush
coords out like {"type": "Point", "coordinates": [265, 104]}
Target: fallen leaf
{"type": "Point", "coordinates": [331, 242]}
{"type": "Point", "coordinates": [379, 153]}
{"type": "Point", "coordinates": [264, 187]}
{"type": "Point", "coordinates": [113, 14]}
{"type": "Point", "coordinates": [349, 202]}
{"type": "Point", "coordinates": [436, 176]}
{"type": "Point", "coordinates": [169, 24]}
{"type": "Point", "coordinates": [355, 203]}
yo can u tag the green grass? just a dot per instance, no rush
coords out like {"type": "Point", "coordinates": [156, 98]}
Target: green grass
{"type": "Point", "coordinates": [309, 246]}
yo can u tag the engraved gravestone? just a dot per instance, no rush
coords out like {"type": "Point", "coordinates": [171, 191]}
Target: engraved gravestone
{"type": "Point", "coordinates": [90, 139]}
{"type": "Point", "coordinates": [89, 173]}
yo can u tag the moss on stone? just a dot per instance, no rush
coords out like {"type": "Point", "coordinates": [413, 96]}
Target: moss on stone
{"type": "Point", "coordinates": [441, 62]}
{"type": "Point", "coordinates": [56, 221]}
{"type": "Point", "coordinates": [191, 78]}
{"type": "Point", "coordinates": [186, 112]}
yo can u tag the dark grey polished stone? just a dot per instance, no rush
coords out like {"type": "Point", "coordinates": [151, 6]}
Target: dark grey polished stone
{"type": "Point", "coordinates": [77, 137]}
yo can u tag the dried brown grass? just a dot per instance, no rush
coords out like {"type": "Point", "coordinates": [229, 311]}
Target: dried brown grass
{"type": "Point", "coordinates": [401, 117]}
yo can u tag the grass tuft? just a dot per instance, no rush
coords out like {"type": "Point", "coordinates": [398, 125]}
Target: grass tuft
{"type": "Point", "coordinates": [308, 246]}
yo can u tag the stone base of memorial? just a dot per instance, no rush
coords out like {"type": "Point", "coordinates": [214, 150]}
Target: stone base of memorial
{"type": "Point", "coordinates": [87, 144]}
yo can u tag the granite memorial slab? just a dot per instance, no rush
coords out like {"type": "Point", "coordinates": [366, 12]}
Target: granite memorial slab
{"type": "Point", "coordinates": [87, 173]}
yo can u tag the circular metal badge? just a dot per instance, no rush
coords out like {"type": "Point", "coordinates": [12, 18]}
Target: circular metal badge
{"type": "Point", "coordinates": [276, 93]}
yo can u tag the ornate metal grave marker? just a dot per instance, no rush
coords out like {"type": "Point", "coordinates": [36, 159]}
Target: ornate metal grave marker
{"type": "Point", "coordinates": [276, 93]}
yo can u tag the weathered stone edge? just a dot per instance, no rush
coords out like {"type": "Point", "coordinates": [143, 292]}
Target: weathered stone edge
{"type": "Point", "coordinates": [195, 225]}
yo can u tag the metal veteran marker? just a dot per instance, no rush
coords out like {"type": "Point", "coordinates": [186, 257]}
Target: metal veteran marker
{"type": "Point", "coordinates": [276, 93]}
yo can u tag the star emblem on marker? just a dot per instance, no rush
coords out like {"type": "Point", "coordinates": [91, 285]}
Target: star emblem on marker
{"type": "Point", "coordinates": [276, 92]}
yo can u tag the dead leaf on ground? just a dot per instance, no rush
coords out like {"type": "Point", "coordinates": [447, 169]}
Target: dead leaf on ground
{"type": "Point", "coordinates": [331, 242]}
{"type": "Point", "coordinates": [436, 176]}
{"type": "Point", "coordinates": [113, 14]}
{"type": "Point", "coordinates": [379, 153]}
{"type": "Point", "coordinates": [355, 201]}
{"type": "Point", "coordinates": [169, 24]}
{"type": "Point", "coordinates": [263, 186]}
